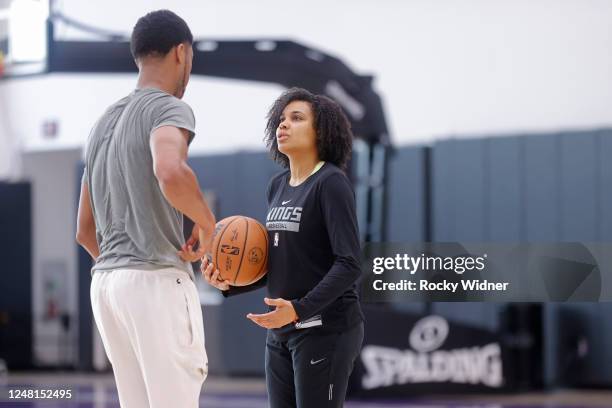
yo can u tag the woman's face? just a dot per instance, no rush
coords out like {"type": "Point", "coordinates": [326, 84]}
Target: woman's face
{"type": "Point", "coordinates": [296, 132]}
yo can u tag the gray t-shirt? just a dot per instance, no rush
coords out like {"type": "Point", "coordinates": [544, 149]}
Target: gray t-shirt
{"type": "Point", "coordinates": [136, 226]}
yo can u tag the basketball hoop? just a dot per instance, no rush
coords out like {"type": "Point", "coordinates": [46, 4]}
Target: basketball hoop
{"type": "Point", "coordinates": [23, 37]}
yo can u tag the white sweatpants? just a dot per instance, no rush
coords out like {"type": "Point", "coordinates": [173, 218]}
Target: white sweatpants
{"type": "Point", "coordinates": [151, 326]}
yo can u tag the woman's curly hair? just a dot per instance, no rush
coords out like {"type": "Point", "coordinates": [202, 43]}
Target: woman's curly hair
{"type": "Point", "coordinates": [333, 129]}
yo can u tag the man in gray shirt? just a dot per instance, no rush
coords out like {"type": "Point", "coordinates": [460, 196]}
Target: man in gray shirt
{"type": "Point", "coordinates": [136, 187]}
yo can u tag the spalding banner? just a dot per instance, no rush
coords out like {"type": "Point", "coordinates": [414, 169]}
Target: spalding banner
{"type": "Point", "coordinates": [404, 354]}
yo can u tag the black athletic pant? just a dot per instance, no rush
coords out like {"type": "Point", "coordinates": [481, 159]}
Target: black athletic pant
{"type": "Point", "coordinates": [311, 369]}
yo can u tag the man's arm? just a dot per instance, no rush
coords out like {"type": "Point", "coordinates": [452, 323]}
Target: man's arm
{"type": "Point", "coordinates": [86, 226]}
{"type": "Point", "coordinates": [177, 181]}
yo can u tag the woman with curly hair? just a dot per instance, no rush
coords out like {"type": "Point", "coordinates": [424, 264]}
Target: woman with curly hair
{"type": "Point", "coordinates": [315, 323]}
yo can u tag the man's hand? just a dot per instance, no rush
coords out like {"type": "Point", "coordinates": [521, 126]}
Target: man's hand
{"type": "Point", "coordinates": [187, 252]}
{"type": "Point", "coordinates": [211, 275]}
{"type": "Point", "coordinates": [279, 317]}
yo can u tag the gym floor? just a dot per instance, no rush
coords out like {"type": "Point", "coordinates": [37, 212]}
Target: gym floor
{"type": "Point", "coordinates": [98, 391]}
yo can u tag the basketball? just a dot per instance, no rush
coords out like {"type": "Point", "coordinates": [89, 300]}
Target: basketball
{"type": "Point", "coordinates": [240, 250]}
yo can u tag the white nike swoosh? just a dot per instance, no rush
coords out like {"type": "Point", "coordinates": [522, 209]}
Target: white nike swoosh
{"type": "Point", "coordinates": [285, 202]}
{"type": "Point", "coordinates": [312, 362]}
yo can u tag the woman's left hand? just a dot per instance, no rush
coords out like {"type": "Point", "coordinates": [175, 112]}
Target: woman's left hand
{"type": "Point", "coordinates": [282, 315]}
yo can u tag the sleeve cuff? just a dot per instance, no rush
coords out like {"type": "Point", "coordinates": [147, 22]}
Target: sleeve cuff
{"type": "Point", "coordinates": [299, 310]}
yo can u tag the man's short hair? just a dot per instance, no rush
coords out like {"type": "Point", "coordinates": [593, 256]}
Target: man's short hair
{"type": "Point", "coordinates": [157, 32]}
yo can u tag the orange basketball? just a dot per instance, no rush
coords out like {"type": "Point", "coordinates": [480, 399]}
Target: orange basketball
{"type": "Point", "coordinates": [240, 250]}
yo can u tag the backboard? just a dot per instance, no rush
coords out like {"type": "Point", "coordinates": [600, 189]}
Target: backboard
{"type": "Point", "coordinates": [23, 37]}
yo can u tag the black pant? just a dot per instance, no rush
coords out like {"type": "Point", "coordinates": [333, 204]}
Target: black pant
{"type": "Point", "coordinates": [311, 369]}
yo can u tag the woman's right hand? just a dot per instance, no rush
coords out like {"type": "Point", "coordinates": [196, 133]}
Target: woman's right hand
{"type": "Point", "coordinates": [212, 275]}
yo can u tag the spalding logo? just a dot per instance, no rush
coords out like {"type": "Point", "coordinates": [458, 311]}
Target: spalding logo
{"type": "Point", "coordinates": [427, 363]}
{"type": "Point", "coordinates": [429, 333]}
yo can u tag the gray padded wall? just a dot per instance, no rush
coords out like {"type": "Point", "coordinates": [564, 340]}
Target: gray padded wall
{"type": "Point", "coordinates": [505, 193]}
{"type": "Point", "coordinates": [405, 212]}
{"type": "Point", "coordinates": [580, 187]}
{"type": "Point", "coordinates": [542, 192]}
{"type": "Point", "coordinates": [584, 214]}
{"type": "Point", "coordinates": [535, 188]}
{"type": "Point", "coordinates": [604, 148]}
{"type": "Point", "coordinates": [460, 177]}
{"type": "Point", "coordinates": [442, 186]}
{"type": "Point", "coordinates": [405, 200]}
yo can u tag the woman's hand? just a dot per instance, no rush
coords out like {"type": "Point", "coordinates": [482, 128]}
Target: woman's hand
{"type": "Point", "coordinates": [279, 317]}
{"type": "Point", "coordinates": [211, 275]}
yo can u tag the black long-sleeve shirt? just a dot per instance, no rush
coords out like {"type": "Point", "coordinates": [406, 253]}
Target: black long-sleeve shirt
{"type": "Point", "coordinates": [314, 248]}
